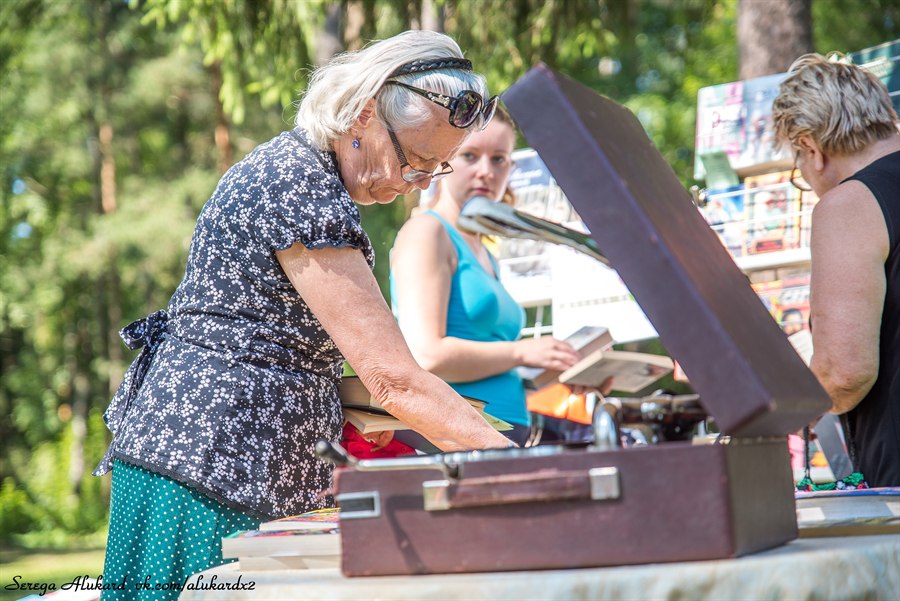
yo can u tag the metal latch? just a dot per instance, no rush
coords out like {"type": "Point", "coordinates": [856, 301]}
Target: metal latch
{"type": "Point", "coordinates": [355, 505]}
{"type": "Point", "coordinates": [548, 485]}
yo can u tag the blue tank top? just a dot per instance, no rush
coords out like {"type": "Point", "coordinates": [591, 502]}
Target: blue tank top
{"type": "Point", "coordinates": [481, 309]}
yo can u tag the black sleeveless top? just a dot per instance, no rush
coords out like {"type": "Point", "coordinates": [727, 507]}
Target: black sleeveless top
{"type": "Point", "coordinates": [873, 426]}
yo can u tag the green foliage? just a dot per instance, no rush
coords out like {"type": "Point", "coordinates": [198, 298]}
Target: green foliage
{"type": "Point", "coordinates": [261, 47]}
{"type": "Point", "coordinates": [851, 25]}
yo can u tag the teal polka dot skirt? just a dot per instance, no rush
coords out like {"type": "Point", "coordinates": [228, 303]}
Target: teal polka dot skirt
{"type": "Point", "coordinates": [160, 533]}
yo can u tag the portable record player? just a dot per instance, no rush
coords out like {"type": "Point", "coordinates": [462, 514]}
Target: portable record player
{"type": "Point", "coordinates": [556, 507]}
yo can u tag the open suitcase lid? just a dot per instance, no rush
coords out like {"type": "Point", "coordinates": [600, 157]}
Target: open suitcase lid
{"type": "Point", "coordinates": [737, 358]}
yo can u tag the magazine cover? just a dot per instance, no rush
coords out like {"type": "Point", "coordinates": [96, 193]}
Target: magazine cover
{"type": "Point", "coordinates": [773, 212]}
{"type": "Point", "coordinates": [787, 300]}
{"type": "Point", "coordinates": [725, 214]}
{"type": "Point", "coordinates": [720, 123]}
{"type": "Point", "coordinates": [758, 147]}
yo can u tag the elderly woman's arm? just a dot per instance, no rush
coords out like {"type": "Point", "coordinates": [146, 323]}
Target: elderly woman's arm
{"type": "Point", "coordinates": [849, 248]}
{"type": "Point", "coordinates": [339, 288]}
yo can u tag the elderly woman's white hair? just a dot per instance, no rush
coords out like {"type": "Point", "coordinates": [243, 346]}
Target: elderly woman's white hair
{"type": "Point", "coordinates": [339, 90]}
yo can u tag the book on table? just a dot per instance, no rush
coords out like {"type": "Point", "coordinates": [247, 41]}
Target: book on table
{"type": "Point", "coordinates": [289, 562]}
{"type": "Point", "coordinates": [296, 543]}
{"type": "Point", "coordinates": [318, 519]}
{"type": "Point", "coordinates": [585, 341]}
{"type": "Point", "coordinates": [848, 512]}
{"type": "Point", "coordinates": [631, 372]}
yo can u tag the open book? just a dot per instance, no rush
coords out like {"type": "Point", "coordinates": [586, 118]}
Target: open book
{"type": "Point", "coordinates": [585, 340]}
{"type": "Point", "coordinates": [631, 372]}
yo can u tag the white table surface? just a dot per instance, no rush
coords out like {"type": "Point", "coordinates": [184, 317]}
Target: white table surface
{"type": "Point", "coordinates": [863, 567]}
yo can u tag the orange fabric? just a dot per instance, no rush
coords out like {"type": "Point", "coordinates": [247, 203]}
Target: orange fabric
{"type": "Point", "coordinates": [557, 400]}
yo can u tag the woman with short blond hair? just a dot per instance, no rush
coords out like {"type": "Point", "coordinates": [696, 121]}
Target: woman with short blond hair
{"type": "Point", "coordinates": [841, 125]}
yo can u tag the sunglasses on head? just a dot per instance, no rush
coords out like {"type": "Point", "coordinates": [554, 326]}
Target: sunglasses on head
{"type": "Point", "coordinates": [464, 109]}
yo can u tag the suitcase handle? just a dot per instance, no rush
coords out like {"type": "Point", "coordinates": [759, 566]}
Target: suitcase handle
{"type": "Point", "coordinates": [599, 483]}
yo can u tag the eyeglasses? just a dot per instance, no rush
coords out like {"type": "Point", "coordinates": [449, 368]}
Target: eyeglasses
{"type": "Point", "coordinates": [797, 179]}
{"type": "Point", "coordinates": [410, 175]}
{"type": "Point", "coordinates": [464, 109]}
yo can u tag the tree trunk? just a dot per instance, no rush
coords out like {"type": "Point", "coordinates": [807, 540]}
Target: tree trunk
{"type": "Point", "coordinates": [328, 39]}
{"type": "Point", "coordinates": [356, 20]}
{"type": "Point", "coordinates": [222, 132]}
{"type": "Point", "coordinates": [771, 34]}
{"type": "Point", "coordinates": [432, 16]}
{"type": "Point", "coordinates": [107, 169]}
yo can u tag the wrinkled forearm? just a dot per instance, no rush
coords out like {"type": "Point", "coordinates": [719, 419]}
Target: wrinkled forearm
{"type": "Point", "coordinates": [434, 410]}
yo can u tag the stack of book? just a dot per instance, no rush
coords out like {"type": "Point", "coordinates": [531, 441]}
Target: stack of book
{"type": "Point", "coordinates": [305, 541]}
{"type": "Point", "coordinates": [365, 412]}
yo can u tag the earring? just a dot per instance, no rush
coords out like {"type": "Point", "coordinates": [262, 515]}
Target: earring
{"type": "Point", "coordinates": [355, 143]}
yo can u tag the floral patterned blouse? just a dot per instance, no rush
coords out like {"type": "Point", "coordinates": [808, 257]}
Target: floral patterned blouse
{"type": "Point", "coordinates": [238, 380]}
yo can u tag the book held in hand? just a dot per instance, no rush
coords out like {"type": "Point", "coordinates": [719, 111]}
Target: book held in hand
{"type": "Point", "coordinates": [372, 421]}
{"type": "Point", "coordinates": [366, 414]}
{"type": "Point", "coordinates": [319, 519]}
{"type": "Point", "coordinates": [631, 372]}
{"type": "Point", "coordinates": [353, 393]}
{"type": "Point", "coordinates": [585, 341]}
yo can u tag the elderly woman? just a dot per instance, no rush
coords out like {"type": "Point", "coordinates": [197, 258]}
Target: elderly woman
{"type": "Point", "coordinates": [841, 125]}
{"type": "Point", "coordinates": [215, 422]}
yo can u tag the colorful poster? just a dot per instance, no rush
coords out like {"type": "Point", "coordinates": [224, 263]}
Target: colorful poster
{"type": "Point", "coordinates": [787, 300]}
{"type": "Point", "coordinates": [773, 211]}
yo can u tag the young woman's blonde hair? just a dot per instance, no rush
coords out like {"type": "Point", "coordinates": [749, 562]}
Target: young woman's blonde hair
{"type": "Point", "coordinates": [503, 116]}
{"type": "Point", "coordinates": [839, 105]}
{"type": "Point", "coordinates": [338, 91]}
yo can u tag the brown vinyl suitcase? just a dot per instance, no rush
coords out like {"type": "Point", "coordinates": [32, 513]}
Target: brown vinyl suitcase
{"type": "Point", "coordinates": [550, 507]}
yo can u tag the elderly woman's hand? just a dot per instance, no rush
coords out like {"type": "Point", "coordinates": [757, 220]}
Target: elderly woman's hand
{"type": "Point", "coordinates": [546, 352]}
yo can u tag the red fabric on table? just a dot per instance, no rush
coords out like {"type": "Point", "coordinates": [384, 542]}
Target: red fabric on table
{"type": "Point", "coordinates": [359, 447]}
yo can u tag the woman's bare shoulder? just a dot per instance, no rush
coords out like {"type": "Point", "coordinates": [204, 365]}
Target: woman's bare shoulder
{"type": "Point", "coordinates": [423, 228]}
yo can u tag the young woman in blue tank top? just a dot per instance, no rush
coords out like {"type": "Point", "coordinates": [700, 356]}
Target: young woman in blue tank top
{"type": "Point", "coordinates": [458, 320]}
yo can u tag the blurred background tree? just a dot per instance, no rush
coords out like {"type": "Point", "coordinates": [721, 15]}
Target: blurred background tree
{"type": "Point", "coordinates": [118, 117]}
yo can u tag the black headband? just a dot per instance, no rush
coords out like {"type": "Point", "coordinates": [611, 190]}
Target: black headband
{"type": "Point", "coordinates": [433, 64]}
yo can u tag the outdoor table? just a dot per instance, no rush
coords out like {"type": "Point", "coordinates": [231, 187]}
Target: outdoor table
{"type": "Point", "coordinates": [845, 568]}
